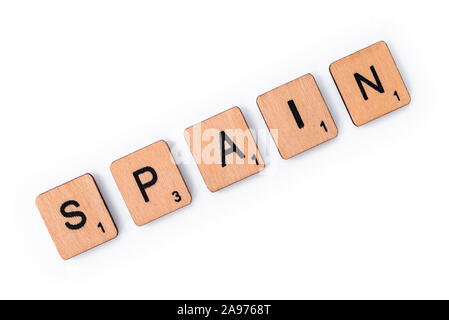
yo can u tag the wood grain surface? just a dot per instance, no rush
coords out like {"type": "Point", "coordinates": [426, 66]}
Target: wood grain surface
{"type": "Point", "coordinates": [76, 216]}
{"type": "Point", "coordinates": [387, 91]}
{"type": "Point", "coordinates": [297, 116]}
{"type": "Point", "coordinates": [166, 190]}
{"type": "Point", "coordinates": [209, 138]}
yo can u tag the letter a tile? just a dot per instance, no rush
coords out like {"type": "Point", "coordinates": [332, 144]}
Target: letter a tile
{"type": "Point", "coordinates": [370, 83]}
{"type": "Point", "coordinates": [76, 216]}
{"type": "Point", "coordinates": [297, 116]}
{"type": "Point", "coordinates": [150, 183]}
{"type": "Point", "coordinates": [224, 149]}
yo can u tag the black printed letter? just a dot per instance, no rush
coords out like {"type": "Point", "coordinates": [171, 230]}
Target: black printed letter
{"type": "Point", "coordinates": [296, 114]}
{"type": "Point", "coordinates": [73, 214]}
{"type": "Point", "coordinates": [143, 186]}
{"type": "Point", "coordinates": [378, 86]}
{"type": "Point", "coordinates": [225, 152]}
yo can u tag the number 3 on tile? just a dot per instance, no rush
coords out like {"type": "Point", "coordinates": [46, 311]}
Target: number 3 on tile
{"type": "Point", "coordinates": [177, 196]}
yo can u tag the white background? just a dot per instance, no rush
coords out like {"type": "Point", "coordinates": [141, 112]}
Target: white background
{"type": "Point", "coordinates": [83, 83]}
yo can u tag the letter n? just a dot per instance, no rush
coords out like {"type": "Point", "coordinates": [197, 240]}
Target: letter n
{"type": "Point", "coordinates": [378, 86]}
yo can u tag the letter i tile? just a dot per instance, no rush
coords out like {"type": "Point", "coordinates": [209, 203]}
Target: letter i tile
{"type": "Point", "coordinates": [297, 116]}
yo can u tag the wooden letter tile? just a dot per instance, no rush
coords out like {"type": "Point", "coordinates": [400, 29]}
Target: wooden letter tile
{"type": "Point", "coordinates": [370, 83]}
{"type": "Point", "coordinates": [224, 149]}
{"type": "Point", "coordinates": [150, 183]}
{"type": "Point", "coordinates": [76, 216]}
{"type": "Point", "coordinates": [297, 116]}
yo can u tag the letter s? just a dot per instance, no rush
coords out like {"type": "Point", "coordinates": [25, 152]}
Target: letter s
{"type": "Point", "coordinates": [73, 214]}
